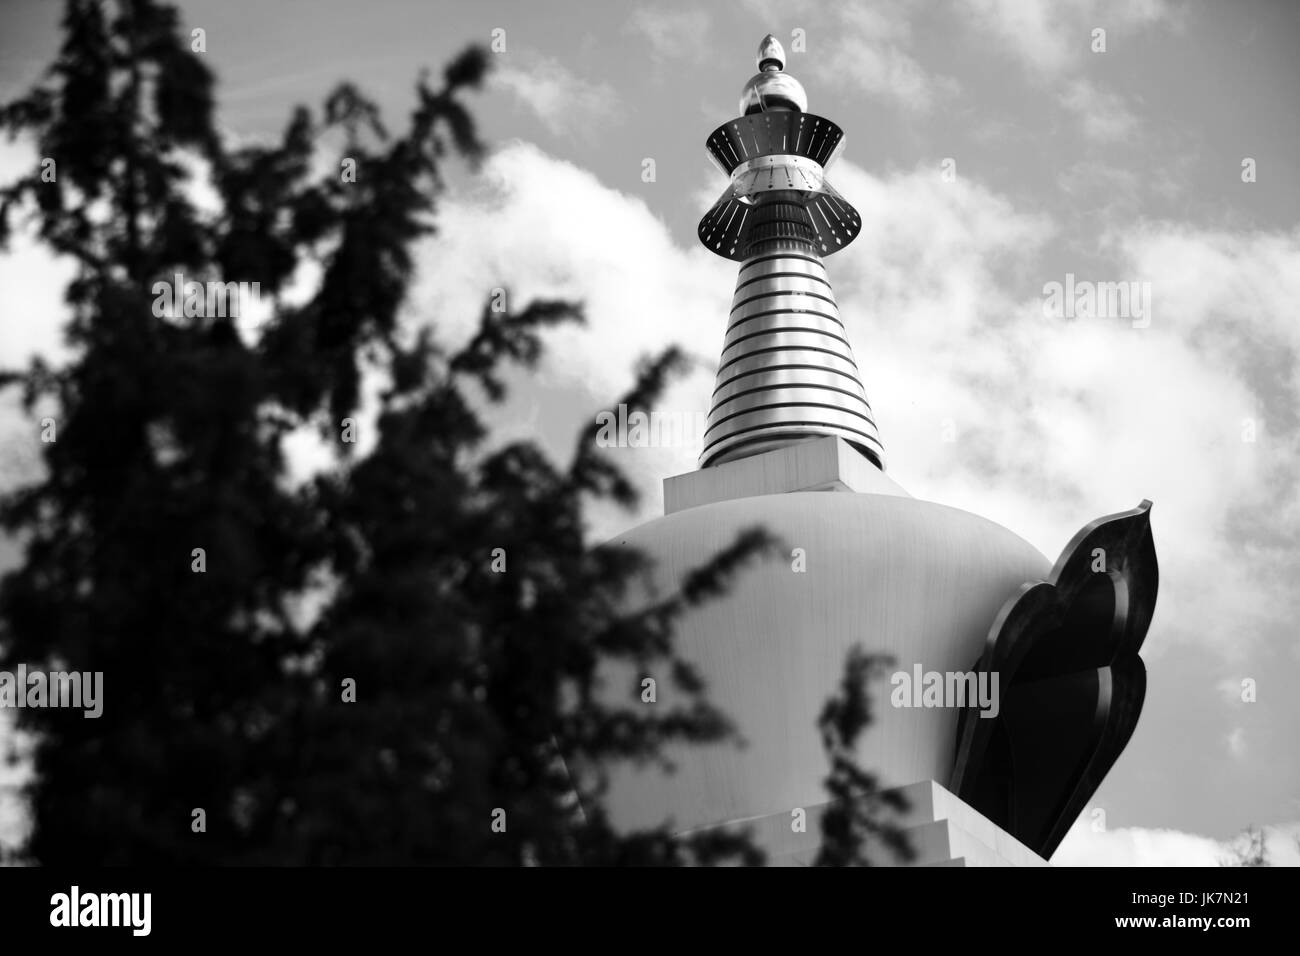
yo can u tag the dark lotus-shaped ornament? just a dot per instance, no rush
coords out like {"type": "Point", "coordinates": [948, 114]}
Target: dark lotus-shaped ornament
{"type": "Point", "coordinates": [1072, 684]}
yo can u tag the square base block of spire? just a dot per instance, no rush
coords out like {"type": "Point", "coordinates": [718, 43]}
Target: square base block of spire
{"type": "Point", "coordinates": [819, 464]}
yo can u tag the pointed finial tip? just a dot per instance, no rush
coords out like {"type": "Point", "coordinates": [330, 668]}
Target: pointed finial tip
{"type": "Point", "coordinates": [771, 53]}
{"type": "Point", "coordinates": [772, 89]}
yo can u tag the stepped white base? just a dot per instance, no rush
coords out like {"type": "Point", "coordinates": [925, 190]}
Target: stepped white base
{"type": "Point", "coordinates": [943, 830]}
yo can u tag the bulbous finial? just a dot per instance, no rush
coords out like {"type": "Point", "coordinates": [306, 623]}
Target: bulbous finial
{"type": "Point", "coordinates": [771, 55]}
{"type": "Point", "coordinates": [771, 89]}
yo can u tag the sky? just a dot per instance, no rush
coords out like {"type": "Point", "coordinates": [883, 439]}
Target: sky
{"type": "Point", "coordinates": [993, 148]}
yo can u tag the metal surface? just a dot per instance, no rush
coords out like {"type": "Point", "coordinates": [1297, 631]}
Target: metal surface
{"type": "Point", "coordinates": [726, 227]}
{"type": "Point", "coordinates": [768, 173]}
{"type": "Point", "coordinates": [770, 134]}
{"type": "Point", "coordinates": [1066, 649]}
{"type": "Point", "coordinates": [787, 372]}
{"type": "Point", "coordinates": [770, 54]}
{"type": "Point", "coordinates": [771, 90]}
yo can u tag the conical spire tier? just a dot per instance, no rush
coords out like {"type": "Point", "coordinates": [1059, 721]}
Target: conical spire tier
{"type": "Point", "coordinates": [787, 372]}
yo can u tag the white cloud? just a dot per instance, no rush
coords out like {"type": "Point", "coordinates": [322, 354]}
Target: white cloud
{"type": "Point", "coordinates": [869, 48]}
{"type": "Point", "coordinates": [1030, 29]}
{"type": "Point", "coordinates": [673, 34]}
{"type": "Point", "coordinates": [1053, 42]}
{"type": "Point", "coordinates": [1231, 690]}
{"type": "Point", "coordinates": [564, 101]}
{"type": "Point", "coordinates": [546, 227]}
{"type": "Point", "coordinates": [32, 310]}
{"type": "Point", "coordinates": [1052, 38]}
{"type": "Point", "coordinates": [1105, 116]}
{"type": "Point", "coordinates": [1157, 847]}
{"type": "Point", "coordinates": [1057, 422]}
{"type": "Point", "coordinates": [543, 227]}
{"type": "Point", "coordinates": [32, 282]}
{"type": "Point", "coordinates": [1237, 742]}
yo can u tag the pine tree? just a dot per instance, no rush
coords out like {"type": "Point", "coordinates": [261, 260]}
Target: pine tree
{"type": "Point", "coordinates": [166, 549]}
{"type": "Point", "coordinates": [861, 819]}
{"type": "Point", "coordinates": [396, 662]}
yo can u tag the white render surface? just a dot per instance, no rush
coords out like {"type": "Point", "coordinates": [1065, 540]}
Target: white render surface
{"type": "Point", "coordinates": [918, 581]}
{"type": "Point", "coordinates": [819, 464]}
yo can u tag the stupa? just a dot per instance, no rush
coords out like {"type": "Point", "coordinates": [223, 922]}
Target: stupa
{"type": "Point", "coordinates": [792, 446]}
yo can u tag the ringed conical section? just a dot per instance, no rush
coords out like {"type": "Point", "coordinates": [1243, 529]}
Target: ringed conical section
{"type": "Point", "coordinates": [787, 371]}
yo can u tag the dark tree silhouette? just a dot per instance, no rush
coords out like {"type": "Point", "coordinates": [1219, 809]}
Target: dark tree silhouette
{"type": "Point", "coordinates": [861, 818]}
{"type": "Point", "coordinates": [1250, 848]}
{"type": "Point", "coordinates": [221, 694]}
{"type": "Point", "coordinates": [341, 672]}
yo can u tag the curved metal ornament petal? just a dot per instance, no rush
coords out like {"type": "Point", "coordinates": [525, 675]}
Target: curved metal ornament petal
{"type": "Point", "coordinates": [1065, 652]}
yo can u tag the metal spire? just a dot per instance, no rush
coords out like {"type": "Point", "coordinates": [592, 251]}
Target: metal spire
{"type": "Point", "coordinates": [786, 373]}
